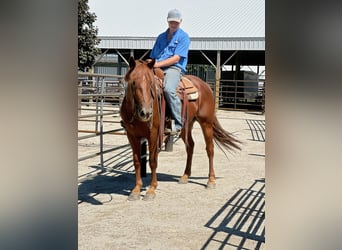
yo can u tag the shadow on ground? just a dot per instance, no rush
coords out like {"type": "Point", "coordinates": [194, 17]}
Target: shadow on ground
{"type": "Point", "coordinates": [241, 219]}
{"type": "Point", "coordinates": [120, 182]}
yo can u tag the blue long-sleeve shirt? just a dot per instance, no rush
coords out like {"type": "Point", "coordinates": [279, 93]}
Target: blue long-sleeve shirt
{"type": "Point", "coordinates": [179, 45]}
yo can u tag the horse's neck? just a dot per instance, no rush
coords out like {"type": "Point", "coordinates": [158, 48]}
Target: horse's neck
{"type": "Point", "coordinates": [159, 73]}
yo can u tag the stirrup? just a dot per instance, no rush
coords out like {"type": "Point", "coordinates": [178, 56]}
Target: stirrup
{"type": "Point", "coordinates": [170, 132]}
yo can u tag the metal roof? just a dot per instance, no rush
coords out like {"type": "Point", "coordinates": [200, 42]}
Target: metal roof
{"type": "Point", "coordinates": [197, 43]}
{"type": "Point", "coordinates": [211, 25]}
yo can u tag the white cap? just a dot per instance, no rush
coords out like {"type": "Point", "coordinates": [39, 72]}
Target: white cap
{"type": "Point", "coordinates": [174, 15]}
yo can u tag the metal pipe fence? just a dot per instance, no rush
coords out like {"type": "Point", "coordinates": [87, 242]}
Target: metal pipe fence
{"type": "Point", "coordinates": [241, 94]}
{"type": "Point", "coordinates": [99, 98]}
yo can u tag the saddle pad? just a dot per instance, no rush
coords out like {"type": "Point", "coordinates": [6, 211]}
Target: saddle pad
{"type": "Point", "coordinates": [185, 86]}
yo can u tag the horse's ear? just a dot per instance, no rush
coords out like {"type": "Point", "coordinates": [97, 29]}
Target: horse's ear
{"type": "Point", "coordinates": [131, 62]}
{"type": "Point", "coordinates": [151, 63]}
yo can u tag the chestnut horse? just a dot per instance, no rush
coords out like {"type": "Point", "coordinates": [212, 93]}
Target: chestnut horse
{"type": "Point", "coordinates": [141, 116]}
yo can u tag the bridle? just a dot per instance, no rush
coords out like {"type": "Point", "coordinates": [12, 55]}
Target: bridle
{"type": "Point", "coordinates": [153, 92]}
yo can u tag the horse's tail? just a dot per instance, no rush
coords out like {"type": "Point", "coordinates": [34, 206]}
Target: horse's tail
{"type": "Point", "coordinates": [223, 138]}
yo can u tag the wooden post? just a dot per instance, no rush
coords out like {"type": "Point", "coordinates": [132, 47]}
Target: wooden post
{"type": "Point", "coordinates": [217, 79]}
{"type": "Point", "coordinates": [169, 143]}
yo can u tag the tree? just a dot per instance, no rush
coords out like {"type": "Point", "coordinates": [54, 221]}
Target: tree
{"type": "Point", "coordinates": [87, 37]}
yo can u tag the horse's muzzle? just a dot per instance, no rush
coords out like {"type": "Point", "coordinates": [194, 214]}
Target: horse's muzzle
{"type": "Point", "coordinates": [145, 114]}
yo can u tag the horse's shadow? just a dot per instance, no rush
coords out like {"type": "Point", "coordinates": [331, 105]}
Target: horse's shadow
{"type": "Point", "coordinates": [103, 184]}
{"type": "Point", "coordinates": [119, 182]}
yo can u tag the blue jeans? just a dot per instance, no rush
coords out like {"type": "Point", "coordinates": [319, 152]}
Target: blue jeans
{"type": "Point", "coordinates": [172, 76]}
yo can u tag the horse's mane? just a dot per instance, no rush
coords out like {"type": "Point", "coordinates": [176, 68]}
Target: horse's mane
{"type": "Point", "coordinates": [156, 71]}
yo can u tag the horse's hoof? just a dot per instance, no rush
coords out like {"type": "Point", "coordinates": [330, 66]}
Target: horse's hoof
{"type": "Point", "coordinates": [183, 181]}
{"type": "Point", "coordinates": [211, 185]}
{"type": "Point", "coordinates": [133, 196]}
{"type": "Point", "coordinates": [149, 196]}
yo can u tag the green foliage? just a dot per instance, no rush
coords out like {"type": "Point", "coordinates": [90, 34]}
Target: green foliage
{"type": "Point", "coordinates": [87, 37]}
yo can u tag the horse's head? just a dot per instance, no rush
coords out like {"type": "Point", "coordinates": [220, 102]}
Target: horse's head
{"type": "Point", "coordinates": [140, 88]}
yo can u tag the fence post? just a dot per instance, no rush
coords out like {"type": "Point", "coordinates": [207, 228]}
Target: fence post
{"type": "Point", "coordinates": [217, 80]}
{"type": "Point", "coordinates": [79, 106]}
{"type": "Point", "coordinates": [101, 124]}
{"type": "Point", "coordinates": [169, 143]}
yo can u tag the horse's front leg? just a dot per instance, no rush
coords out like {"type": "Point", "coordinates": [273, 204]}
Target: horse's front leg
{"type": "Point", "coordinates": [153, 160]}
{"type": "Point", "coordinates": [136, 148]}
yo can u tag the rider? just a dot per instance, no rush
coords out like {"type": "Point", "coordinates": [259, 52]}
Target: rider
{"type": "Point", "coordinates": [171, 53]}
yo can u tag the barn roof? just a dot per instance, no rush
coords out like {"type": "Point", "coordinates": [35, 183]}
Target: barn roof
{"type": "Point", "coordinates": [211, 25]}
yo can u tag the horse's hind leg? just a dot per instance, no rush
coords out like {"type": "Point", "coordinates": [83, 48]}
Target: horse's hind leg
{"type": "Point", "coordinates": [208, 132]}
{"type": "Point", "coordinates": [189, 151]}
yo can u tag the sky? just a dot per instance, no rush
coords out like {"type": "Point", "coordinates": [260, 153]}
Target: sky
{"type": "Point", "coordinates": [115, 17]}
{"type": "Point", "coordinates": [238, 18]}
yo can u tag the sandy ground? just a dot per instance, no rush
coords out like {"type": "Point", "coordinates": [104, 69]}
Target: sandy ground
{"type": "Point", "coordinates": [182, 216]}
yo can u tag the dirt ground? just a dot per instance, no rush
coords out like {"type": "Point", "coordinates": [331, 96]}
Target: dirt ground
{"type": "Point", "coordinates": [182, 216]}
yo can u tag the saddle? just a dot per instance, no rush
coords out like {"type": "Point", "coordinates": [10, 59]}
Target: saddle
{"type": "Point", "coordinates": [187, 89]}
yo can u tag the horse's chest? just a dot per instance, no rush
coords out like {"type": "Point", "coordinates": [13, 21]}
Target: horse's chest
{"type": "Point", "coordinates": [139, 130]}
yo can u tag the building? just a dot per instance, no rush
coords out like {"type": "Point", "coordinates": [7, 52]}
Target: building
{"type": "Point", "coordinates": [227, 43]}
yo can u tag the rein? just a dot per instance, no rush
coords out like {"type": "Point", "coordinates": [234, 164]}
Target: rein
{"type": "Point", "coordinates": [161, 108]}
